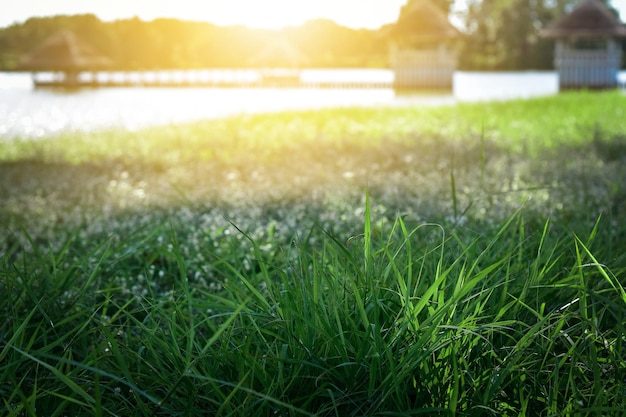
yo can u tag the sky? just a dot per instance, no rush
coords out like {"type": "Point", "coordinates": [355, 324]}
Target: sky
{"type": "Point", "coordinates": [255, 13]}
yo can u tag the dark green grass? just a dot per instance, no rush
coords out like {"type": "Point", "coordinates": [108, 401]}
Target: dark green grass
{"type": "Point", "coordinates": [456, 261]}
{"type": "Point", "coordinates": [415, 321]}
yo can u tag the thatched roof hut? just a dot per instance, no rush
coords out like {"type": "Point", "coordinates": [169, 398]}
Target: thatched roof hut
{"type": "Point", "coordinates": [421, 21]}
{"type": "Point", "coordinates": [64, 52]}
{"type": "Point", "coordinates": [587, 52]}
{"type": "Point", "coordinates": [591, 18]}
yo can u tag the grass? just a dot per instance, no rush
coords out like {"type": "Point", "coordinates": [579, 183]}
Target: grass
{"type": "Point", "coordinates": [239, 267]}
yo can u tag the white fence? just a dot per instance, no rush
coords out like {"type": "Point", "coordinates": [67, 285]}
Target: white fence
{"type": "Point", "coordinates": [423, 69]}
{"type": "Point", "coordinates": [588, 68]}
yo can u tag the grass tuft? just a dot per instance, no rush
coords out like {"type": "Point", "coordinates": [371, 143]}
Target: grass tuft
{"type": "Point", "coordinates": [427, 319]}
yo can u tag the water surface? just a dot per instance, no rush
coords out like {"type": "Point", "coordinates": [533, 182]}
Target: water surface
{"type": "Point", "coordinates": [29, 113]}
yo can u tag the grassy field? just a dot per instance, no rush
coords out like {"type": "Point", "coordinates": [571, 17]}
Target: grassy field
{"type": "Point", "coordinates": [466, 260]}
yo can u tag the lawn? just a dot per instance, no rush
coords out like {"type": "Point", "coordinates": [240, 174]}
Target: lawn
{"type": "Point", "coordinates": [466, 260]}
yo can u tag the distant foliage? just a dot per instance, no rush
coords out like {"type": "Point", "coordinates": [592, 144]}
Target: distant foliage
{"type": "Point", "coordinates": [134, 44]}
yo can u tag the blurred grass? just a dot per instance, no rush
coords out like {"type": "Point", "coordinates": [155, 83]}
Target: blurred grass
{"type": "Point", "coordinates": [515, 125]}
{"type": "Point", "coordinates": [558, 156]}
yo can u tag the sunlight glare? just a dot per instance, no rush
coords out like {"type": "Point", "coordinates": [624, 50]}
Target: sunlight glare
{"type": "Point", "coordinates": [269, 14]}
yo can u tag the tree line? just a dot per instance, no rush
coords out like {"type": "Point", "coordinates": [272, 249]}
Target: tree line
{"type": "Point", "coordinates": [498, 35]}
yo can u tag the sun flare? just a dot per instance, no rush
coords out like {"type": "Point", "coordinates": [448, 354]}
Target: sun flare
{"type": "Point", "coordinates": [280, 13]}
{"type": "Point", "coordinates": [277, 14]}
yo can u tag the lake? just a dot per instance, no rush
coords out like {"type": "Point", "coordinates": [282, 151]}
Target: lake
{"type": "Point", "coordinates": [29, 113]}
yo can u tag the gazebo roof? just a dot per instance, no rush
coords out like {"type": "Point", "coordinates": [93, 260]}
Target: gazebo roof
{"type": "Point", "coordinates": [63, 51]}
{"type": "Point", "coordinates": [424, 21]}
{"type": "Point", "coordinates": [589, 19]}
{"type": "Point", "coordinates": [279, 54]}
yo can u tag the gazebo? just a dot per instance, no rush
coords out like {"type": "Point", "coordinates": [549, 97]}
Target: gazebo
{"type": "Point", "coordinates": [65, 54]}
{"type": "Point", "coordinates": [587, 53]}
{"type": "Point", "coordinates": [421, 52]}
